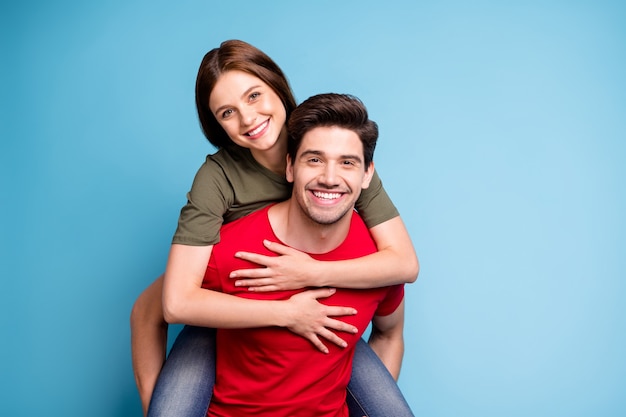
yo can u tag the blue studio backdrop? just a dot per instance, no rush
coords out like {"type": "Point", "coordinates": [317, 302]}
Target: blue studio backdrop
{"type": "Point", "coordinates": [502, 144]}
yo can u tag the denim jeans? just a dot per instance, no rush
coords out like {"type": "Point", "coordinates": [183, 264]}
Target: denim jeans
{"type": "Point", "coordinates": [372, 391]}
{"type": "Point", "coordinates": [185, 385]}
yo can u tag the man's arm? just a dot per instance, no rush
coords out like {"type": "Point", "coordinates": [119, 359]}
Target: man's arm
{"type": "Point", "coordinates": [387, 339]}
{"type": "Point", "coordinates": [148, 340]}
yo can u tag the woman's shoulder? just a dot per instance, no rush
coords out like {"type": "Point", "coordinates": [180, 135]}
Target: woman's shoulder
{"type": "Point", "coordinates": [229, 160]}
{"type": "Point", "coordinates": [223, 163]}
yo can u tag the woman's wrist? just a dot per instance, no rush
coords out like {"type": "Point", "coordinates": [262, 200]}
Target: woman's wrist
{"type": "Point", "coordinates": [317, 274]}
{"type": "Point", "coordinates": [281, 313]}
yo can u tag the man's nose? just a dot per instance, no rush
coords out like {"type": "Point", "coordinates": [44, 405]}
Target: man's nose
{"type": "Point", "coordinates": [329, 175]}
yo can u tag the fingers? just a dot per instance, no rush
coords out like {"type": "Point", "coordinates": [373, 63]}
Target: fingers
{"type": "Point", "coordinates": [314, 319]}
{"type": "Point", "coordinates": [279, 248]}
{"type": "Point", "coordinates": [251, 273]}
{"type": "Point", "coordinates": [318, 343]}
{"type": "Point", "coordinates": [257, 282]}
{"type": "Point", "coordinates": [328, 335]}
{"type": "Point", "coordinates": [320, 292]}
{"type": "Point", "coordinates": [254, 257]}
{"type": "Point", "coordinates": [340, 326]}
{"type": "Point", "coordinates": [333, 338]}
{"type": "Point", "coordinates": [334, 311]}
{"type": "Point", "coordinates": [263, 288]}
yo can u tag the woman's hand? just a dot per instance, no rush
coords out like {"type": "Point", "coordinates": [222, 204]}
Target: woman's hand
{"type": "Point", "coordinates": [289, 271]}
{"type": "Point", "coordinates": [311, 319]}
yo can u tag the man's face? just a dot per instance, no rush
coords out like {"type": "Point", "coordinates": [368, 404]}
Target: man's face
{"type": "Point", "coordinates": [328, 173]}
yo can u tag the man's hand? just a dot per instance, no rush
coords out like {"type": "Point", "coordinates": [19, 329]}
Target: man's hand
{"type": "Point", "coordinates": [311, 319]}
{"type": "Point", "coordinates": [289, 271]}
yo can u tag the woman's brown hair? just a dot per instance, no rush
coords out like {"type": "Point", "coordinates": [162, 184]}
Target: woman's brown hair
{"type": "Point", "coordinates": [240, 56]}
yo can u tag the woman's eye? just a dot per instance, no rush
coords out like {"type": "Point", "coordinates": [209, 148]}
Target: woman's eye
{"type": "Point", "coordinates": [227, 113]}
{"type": "Point", "coordinates": [254, 96]}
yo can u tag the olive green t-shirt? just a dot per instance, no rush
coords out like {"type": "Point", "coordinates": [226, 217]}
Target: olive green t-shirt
{"type": "Point", "coordinates": [231, 184]}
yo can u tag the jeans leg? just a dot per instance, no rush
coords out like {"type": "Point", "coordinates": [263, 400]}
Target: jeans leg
{"type": "Point", "coordinates": [372, 391]}
{"type": "Point", "coordinates": [185, 384]}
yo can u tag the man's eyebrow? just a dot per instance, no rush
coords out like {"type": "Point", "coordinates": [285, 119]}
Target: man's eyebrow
{"type": "Point", "coordinates": [245, 93]}
{"type": "Point", "coordinates": [310, 152]}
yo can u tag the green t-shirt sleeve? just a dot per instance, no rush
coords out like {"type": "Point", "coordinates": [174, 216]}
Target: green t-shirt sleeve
{"type": "Point", "coordinates": [231, 184]}
{"type": "Point", "coordinates": [374, 205]}
{"type": "Point", "coordinates": [202, 217]}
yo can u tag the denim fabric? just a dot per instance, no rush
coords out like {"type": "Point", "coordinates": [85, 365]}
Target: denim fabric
{"type": "Point", "coordinates": [185, 385]}
{"type": "Point", "coordinates": [372, 391]}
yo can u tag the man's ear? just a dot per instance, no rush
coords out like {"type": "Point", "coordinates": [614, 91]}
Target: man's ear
{"type": "Point", "coordinates": [368, 176]}
{"type": "Point", "coordinates": [289, 170]}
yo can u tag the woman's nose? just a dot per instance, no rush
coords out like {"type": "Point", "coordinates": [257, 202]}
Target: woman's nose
{"type": "Point", "coordinates": [248, 116]}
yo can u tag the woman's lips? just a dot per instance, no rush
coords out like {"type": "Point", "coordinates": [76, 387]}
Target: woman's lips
{"type": "Point", "coordinates": [258, 131]}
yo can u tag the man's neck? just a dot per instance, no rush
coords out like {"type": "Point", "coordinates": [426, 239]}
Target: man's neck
{"type": "Point", "coordinates": [296, 229]}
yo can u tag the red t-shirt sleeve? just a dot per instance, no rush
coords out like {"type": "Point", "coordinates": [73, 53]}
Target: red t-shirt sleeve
{"type": "Point", "coordinates": [392, 300]}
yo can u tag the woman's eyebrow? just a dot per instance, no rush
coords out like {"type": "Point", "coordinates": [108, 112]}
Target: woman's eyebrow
{"type": "Point", "coordinates": [245, 93]}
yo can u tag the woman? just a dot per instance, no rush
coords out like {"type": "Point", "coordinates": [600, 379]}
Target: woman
{"type": "Point", "coordinates": [243, 101]}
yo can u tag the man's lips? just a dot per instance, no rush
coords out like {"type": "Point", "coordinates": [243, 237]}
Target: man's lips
{"type": "Point", "coordinates": [324, 195]}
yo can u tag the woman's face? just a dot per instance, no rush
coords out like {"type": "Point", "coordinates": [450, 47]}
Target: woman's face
{"type": "Point", "coordinates": [248, 110]}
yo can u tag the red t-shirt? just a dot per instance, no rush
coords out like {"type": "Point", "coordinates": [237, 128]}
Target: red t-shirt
{"type": "Point", "coordinates": [271, 371]}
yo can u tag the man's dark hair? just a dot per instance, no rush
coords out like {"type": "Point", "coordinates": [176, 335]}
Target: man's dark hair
{"type": "Point", "coordinates": [328, 110]}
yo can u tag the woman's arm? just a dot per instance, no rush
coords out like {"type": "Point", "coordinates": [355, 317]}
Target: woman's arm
{"type": "Point", "coordinates": [302, 314]}
{"type": "Point", "coordinates": [184, 301]}
{"type": "Point", "coordinates": [394, 263]}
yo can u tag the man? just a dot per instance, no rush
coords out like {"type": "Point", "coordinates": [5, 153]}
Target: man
{"type": "Point", "coordinates": [271, 371]}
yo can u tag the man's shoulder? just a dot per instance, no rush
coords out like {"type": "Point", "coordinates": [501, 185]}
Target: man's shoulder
{"type": "Point", "coordinates": [244, 224]}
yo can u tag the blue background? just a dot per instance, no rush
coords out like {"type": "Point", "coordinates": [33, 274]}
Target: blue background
{"type": "Point", "coordinates": [502, 143]}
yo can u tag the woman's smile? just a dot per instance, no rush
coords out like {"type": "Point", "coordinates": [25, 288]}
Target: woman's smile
{"type": "Point", "coordinates": [248, 110]}
{"type": "Point", "coordinates": [258, 131]}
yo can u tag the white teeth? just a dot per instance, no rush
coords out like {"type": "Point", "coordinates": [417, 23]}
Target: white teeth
{"type": "Point", "coordinates": [257, 130]}
{"type": "Point", "coordinates": [326, 196]}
